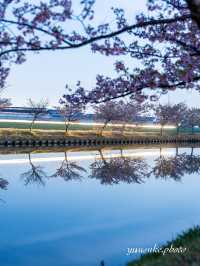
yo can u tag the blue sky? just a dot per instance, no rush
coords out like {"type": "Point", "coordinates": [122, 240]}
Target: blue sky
{"type": "Point", "coordinates": [45, 75]}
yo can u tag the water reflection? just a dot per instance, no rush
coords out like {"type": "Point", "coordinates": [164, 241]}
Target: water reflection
{"type": "Point", "coordinates": [177, 166]}
{"type": "Point", "coordinates": [93, 222]}
{"type": "Point", "coordinates": [192, 164]}
{"type": "Point", "coordinates": [115, 170]}
{"type": "Point", "coordinates": [172, 167]}
{"type": "Point", "coordinates": [111, 169]}
{"type": "Point", "coordinates": [102, 263]}
{"type": "Point", "coordinates": [69, 170]}
{"type": "Point", "coordinates": [35, 175]}
{"type": "Point", "coordinates": [3, 183]}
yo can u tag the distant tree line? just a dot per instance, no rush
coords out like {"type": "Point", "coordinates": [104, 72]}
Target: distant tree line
{"type": "Point", "coordinates": [179, 115]}
{"type": "Point", "coordinates": [119, 113]}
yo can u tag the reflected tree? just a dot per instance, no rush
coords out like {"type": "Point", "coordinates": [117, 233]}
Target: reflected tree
{"type": "Point", "coordinates": [102, 263]}
{"type": "Point", "coordinates": [3, 183]}
{"type": "Point", "coordinates": [69, 170]}
{"type": "Point", "coordinates": [176, 166]}
{"type": "Point", "coordinates": [192, 163]}
{"type": "Point", "coordinates": [117, 169]}
{"type": "Point", "coordinates": [122, 169]}
{"type": "Point", "coordinates": [169, 167]}
{"type": "Point", "coordinates": [35, 175]}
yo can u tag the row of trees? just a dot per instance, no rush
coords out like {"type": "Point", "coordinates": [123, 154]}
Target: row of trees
{"type": "Point", "coordinates": [68, 111]}
{"type": "Point", "coordinates": [179, 115]}
{"type": "Point", "coordinates": [125, 112]}
{"type": "Point", "coordinates": [109, 112]}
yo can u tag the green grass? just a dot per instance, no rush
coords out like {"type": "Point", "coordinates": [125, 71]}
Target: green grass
{"type": "Point", "coordinates": [189, 240]}
{"type": "Point", "coordinates": [22, 125]}
{"type": "Point", "coordinates": [90, 129]}
{"type": "Point", "coordinates": [136, 130]}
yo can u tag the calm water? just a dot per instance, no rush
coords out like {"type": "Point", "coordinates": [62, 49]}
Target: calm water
{"type": "Point", "coordinates": [81, 208]}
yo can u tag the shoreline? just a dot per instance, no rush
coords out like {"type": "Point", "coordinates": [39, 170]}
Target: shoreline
{"type": "Point", "coordinates": [189, 240]}
{"type": "Point", "coordinates": [50, 139]}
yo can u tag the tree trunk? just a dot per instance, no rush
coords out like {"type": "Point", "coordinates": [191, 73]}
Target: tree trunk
{"type": "Point", "coordinates": [192, 151]}
{"type": "Point", "coordinates": [67, 127]}
{"type": "Point", "coordinates": [30, 162]}
{"type": "Point", "coordinates": [102, 263]}
{"type": "Point", "coordinates": [121, 153]}
{"type": "Point", "coordinates": [192, 130]}
{"type": "Point", "coordinates": [66, 156]}
{"type": "Point", "coordinates": [32, 123]}
{"type": "Point", "coordinates": [194, 7]}
{"type": "Point", "coordinates": [102, 157]}
{"type": "Point", "coordinates": [104, 126]}
{"type": "Point", "coordinates": [123, 128]}
{"type": "Point", "coordinates": [160, 151]}
{"type": "Point", "coordinates": [29, 157]}
{"type": "Point", "coordinates": [176, 150]}
{"type": "Point", "coordinates": [177, 129]}
{"type": "Point", "coordinates": [161, 130]}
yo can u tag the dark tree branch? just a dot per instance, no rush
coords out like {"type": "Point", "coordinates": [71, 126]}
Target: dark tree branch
{"type": "Point", "coordinates": [33, 27]}
{"type": "Point", "coordinates": [186, 46]}
{"type": "Point", "coordinates": [159, 86]}
{"type": "Point", "coordinates": [102, 37]}
{"type": "Point", "coordinates": [194, 7]}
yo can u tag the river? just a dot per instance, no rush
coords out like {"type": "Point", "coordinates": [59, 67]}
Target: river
{"type": "Point", "coordinates": [87, 207]}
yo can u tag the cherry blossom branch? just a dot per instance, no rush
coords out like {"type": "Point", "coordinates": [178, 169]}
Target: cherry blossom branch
{"type": "Point", "coordinates": [177, 6]}
{"type": "Point", "coordinates": [161, 86]}
{"type": "Point", "coordinates": [101, 37]}
{"type": "Point", "coordinates": [33, 27]}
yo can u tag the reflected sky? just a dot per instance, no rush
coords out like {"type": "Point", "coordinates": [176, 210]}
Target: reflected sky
{"type": "Point", "coordinates": [75, 219]}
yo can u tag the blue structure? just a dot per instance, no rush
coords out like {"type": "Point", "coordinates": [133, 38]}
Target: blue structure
{"type": "Point", "coordinates": [26, 113]}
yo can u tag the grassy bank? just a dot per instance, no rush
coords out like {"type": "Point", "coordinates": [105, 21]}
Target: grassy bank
{"type": "Point", "coordinates": [92, 128]}
{"type": "Point", "coordinates": [138, 130]}
{"type": "Point", "coordinates": [42, 134]}
{"type": "Point", "coordinates": [189, 240]}
{"type": "Point", "coordinates": [41, 126]}
{"type": "Point", "coordinates": [76, 126]}
{"type": "Point", "coordinates": [39, 134]}
{"type": "Point", "coordinates": [12, 131]}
